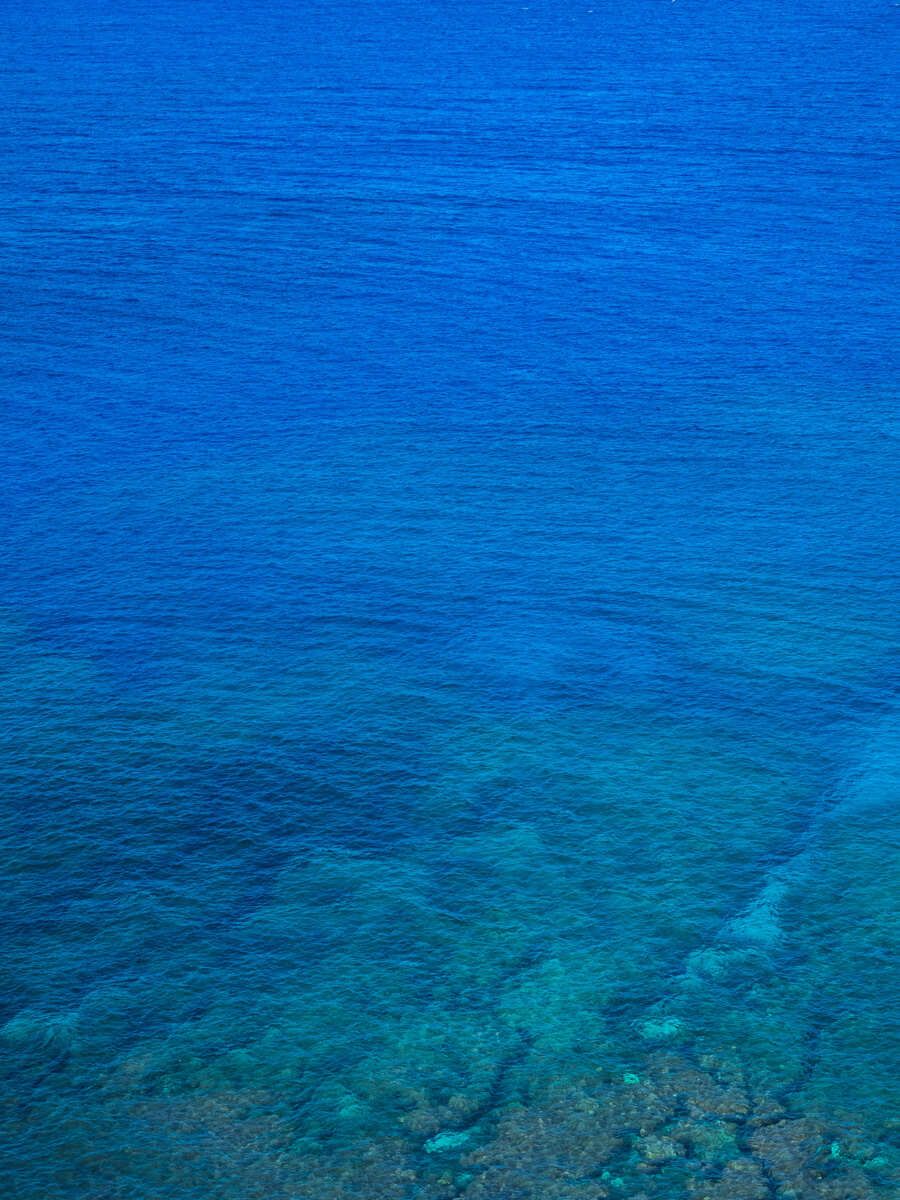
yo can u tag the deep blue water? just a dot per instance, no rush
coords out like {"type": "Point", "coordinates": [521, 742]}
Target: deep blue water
{"type": "Point", "coordinates": [450, 725]}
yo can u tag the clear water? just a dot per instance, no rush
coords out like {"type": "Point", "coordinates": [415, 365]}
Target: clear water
{"type": "Point", "coordinates": [450, 724]}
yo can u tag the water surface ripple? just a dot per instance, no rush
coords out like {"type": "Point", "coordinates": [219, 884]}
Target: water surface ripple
{"type": "Point", "coordinates": [450, 734]}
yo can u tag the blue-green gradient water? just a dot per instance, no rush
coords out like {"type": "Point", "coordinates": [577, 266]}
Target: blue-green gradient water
{"type": "Point", "coordinates": [450, 732]}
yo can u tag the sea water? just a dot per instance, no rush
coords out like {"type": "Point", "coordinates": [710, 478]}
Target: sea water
{"type": "Point", "coordinates": [450, 734]}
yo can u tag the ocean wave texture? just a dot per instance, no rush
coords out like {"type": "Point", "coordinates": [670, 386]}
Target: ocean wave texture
{"type": "Point", "coordinates": [450, 732]}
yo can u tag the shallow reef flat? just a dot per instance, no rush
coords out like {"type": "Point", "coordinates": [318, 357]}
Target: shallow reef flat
{"type": "Point", "coordinates": [671, 1126]}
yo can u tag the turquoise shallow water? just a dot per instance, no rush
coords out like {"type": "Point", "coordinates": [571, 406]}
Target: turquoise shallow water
{"type": "Point", "coordinates": [450, 732]}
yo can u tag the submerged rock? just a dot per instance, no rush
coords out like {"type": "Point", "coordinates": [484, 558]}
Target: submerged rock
{"type": "Point", "coordinates": [448, 1140]}
{"type": "Point", "coordinates": [788, 1151]}
{"type": "Point", "coordinates": [742, 1179]}
{"type": "Point", "coordinates": [662, 1030]}
{"type": "Point", "coordinates": [54, 1032]}
{"type": "Point", "coordinates": [659, 1149]}
{"type": "Point", "coordinates": [713, 1142]}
